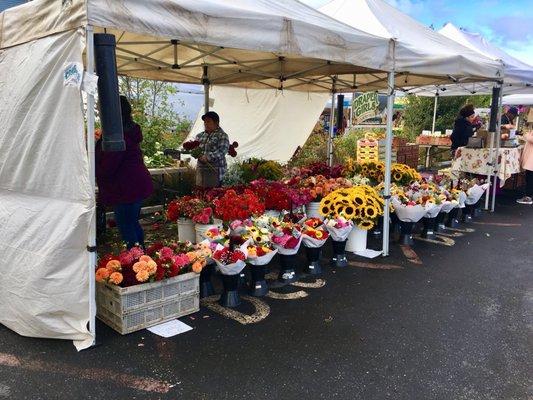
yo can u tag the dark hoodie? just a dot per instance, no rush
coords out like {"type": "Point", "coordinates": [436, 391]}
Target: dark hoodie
{"type": "Point", "coordinates": [121, 176]}
{"type": "Point", "coordinates": [462, 131]}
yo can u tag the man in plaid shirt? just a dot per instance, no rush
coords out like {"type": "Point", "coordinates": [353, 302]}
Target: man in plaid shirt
{"type": "Point", "coordinates": [214, 143]}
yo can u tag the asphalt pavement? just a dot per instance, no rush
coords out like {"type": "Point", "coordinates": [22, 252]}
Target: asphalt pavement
{"type": "Point", "coordinates": [451, 323]}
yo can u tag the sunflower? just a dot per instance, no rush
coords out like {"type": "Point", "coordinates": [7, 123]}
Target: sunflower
{"type": "Point", "coordinates": [349, 212]}
{"type": "Point", "coordinates": [397, 176]}
{"type": "Point", "coordinates": [366, 224]}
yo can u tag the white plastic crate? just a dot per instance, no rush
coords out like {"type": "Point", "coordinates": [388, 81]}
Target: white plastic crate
{"type": "Point", "coordinates": [137, 307]}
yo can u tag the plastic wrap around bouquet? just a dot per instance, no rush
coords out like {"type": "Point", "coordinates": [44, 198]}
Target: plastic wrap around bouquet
{"type": "Point", "coordinates": [338, 228]}
{"type": "Point", "coordinates": [313, 234]}
{"type": "Point", "coordinates": [289, 248]}
{"type": "Point", "coordinates": [475, 192]}
{"type": "Point", "coordinates": [410, 212]}
{"type": "Point", "coordinates": [448, 206]}
{"type": "Point", "coordinates": [259, 260]}
{"type": "Point", "coordinates": [434, 211]}
{"type": "Point", "coordinates": [231, 262]}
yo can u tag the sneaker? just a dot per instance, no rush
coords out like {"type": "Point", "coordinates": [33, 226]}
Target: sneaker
{"type": "Point", "coordinates": [525, 200]}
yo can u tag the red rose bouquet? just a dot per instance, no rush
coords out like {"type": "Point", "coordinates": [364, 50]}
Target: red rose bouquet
{"type": "Point", "coordinates": [232, 151]}
{"type": "Point", "coordinates": [231, 262]}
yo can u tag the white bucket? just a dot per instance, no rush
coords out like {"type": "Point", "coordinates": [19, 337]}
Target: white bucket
{"type": "Point", "coordinates": [356, 240]}
{"type": "Point", "coordinates": [272, 213]}
{"type": "Point", "coordinates": [312, 210]}
{"type": "Point", "coordinates": [186, 230]}
{"type": "Point", "coordinates": [201, 230]}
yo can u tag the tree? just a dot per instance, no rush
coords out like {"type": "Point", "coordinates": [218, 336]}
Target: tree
{"type": "Point", "coordinates": [418, 114]}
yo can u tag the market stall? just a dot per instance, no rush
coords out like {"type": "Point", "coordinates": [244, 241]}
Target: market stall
{"type": "Point", "coordinates": [269, 44]}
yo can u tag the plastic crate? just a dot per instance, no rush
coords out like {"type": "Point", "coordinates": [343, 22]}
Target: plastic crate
{"type": "Point", "coordinates": [137, 307]}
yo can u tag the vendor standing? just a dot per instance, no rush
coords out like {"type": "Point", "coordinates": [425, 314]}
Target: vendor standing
{"type": "Point", "coordinates": [463, 128]}
{"type": "Point", "coordinates": [508, 118]}
{"type": "Point", "coordinates": [214, 143]}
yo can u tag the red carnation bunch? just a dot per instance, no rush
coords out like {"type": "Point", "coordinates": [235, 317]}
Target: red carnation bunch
{"type": "Point", "coordinates": [232, 149]}
{"type": "Point", "coordinates": [184, 207]}
{"type": "Point", "coordinates": [232, 206]}
{"type": "Point", "coordinates": [193, 146]}
{"type": "Point", "coordinates": [205, 216]}
{"type": "Point", "coordinates": [226, 256]}
{"type": "Point", "coordinates": [272, 193]}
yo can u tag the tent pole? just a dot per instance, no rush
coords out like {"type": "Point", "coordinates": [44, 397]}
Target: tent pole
{"type": "Point", "coordinates": [435, 111]}
{"type": "Point", "coordinates": [205, 81]}
{"type": "Point", "coordinates": [388, 163]}
{"type": "Point", "coordinates": [92, 179]}
{"type": "Point", "coordinates": [331, 124]}
{"type": "Point", "coordinates": [498, 138]}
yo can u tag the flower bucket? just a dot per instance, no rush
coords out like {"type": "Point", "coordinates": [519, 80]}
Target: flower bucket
{"type": "Point", "coordinates": [406, 233]}
{"type": "Point", "coordinates": [186, 230]}
{"type": "Point", "coordinates": [312, 210]}
{"type": "Point", "coordinates": [452, 221]}
{"type": "Point", "coordinates": [339, 259]}
{"type": "Point", "coordinates": [202, 229]}
{"type": "Point", "coordinates": [287, 272]}
{"type": "Point", "coordinates": [230, 297]}
{"type": "Point", "coordinates": [313, 260]}
{"type": "Point", "coordinates": [272, 213]}
{"type": "Point", "coordinates": [206, 286]}
{"type": "Point", "coordinates": [258, 286]}
{"type": "Point", "coordinates": [429, 226]}
{"type": "Point", "coordinates": [439, 222]}
{"type": "Point", "coordinates": [357, 240]}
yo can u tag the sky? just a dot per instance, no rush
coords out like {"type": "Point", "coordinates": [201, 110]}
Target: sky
{"type": "Point", "coordinates": [504, 23]}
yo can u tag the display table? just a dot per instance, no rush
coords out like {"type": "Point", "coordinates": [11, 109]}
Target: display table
{"type": "Point", "coordinates": [476, 161]}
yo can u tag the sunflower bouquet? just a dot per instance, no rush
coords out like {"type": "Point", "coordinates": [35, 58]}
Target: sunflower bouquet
{"type": "Point", "coordinates": [375, 171]}
{"type": "Point", "coordinates": [217, 235]}
{"type": "Point", "coordinates": [360, 204]}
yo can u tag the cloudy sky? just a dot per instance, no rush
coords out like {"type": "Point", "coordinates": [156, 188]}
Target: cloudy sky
{"type": "Point", "coordinates": [505, 23]}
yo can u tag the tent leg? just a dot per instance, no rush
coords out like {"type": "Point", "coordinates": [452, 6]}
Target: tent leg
{"type": "Point", "coordinates": [92, 178]}
{"type": "Point", "coordinates": [206, 83]}
{"type": "Point", "coordinates": [490, 170]}
{"type": "Point", "coordinates": [435, 112]}
{"type": "Point", "coordinates": [496, 165]}
{"type": "Point", "coordinates": [388, 164]}
{"type": "Point", "coordinates": [331, 123]}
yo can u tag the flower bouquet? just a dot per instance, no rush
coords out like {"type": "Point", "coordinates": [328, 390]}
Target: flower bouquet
{"type": "Point", "coordinates": [230, 261]}
{"type": "Point", "coordinates": [318, 187]}
{"type": "Point", "coordinates": [286, 238]}
{"type": "Point", "coordinates": [474, 189]}
{"type": "Point", "coordinates": [203, 252]}
{"type": "Point", "coordinates": [360, 204]}
{"type": "Point", "coordinates": [193, 148]}
{"type": "Point", "coordinates": [410, 205]}
{"type": "Point", "coordinates": [314, 236]}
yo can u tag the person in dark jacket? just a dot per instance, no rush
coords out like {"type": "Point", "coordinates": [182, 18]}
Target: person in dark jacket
{"type": "Point", "coordinates": [463, 128]}
{"type": "Point", "coordinates": [508, 118]}
{"type": "Point", "coordinates": [123, 179]}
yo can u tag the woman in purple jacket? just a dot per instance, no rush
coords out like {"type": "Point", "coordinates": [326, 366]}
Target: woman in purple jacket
{"type": "Point", "coordinates": [123, 179]}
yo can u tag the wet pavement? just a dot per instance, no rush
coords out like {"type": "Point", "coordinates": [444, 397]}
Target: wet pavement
{"type": "Point", "coordinates": [457, 326]}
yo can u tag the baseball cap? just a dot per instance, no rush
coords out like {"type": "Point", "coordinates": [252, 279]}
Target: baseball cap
{"type": "Point", "coordinates": [211, 115]}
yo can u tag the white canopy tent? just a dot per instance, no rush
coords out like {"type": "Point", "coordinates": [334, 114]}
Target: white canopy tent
{"type": "Point", "coordinates": [47, 202]}
{"type": "Point", "coordinates": [518, 100]}
{"type": "Point", "coordinates": [517, 75]}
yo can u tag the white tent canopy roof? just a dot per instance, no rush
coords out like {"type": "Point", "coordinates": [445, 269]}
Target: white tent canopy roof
{"type": "Point", "coordinates": [266, 43]}
{"type": "Point", "coordinates": [518, 100]}
{"type": "Point", "coordinates": [518, 76]}
{"type": "Point", "coordinates": [249, 43]}
{"type": "Point", "coordinates": [419, 51]}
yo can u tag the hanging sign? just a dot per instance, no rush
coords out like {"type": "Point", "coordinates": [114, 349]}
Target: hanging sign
{"type": "Point", "coordinates": [365, 107]}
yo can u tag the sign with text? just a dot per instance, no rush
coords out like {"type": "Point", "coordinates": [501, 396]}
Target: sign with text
{"type": "Point", "coordinates": [365, 107]}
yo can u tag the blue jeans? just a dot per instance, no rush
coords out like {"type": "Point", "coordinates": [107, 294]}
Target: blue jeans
{"type": "Point", "coordinates": [127, 217]}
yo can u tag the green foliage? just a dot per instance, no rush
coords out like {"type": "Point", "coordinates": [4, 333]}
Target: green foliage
{"type": "Point", "coordinates": [162, 127]}
{"type": "Point", "coordinates": [252, 169]}
{"type": "Point", "coordinates": [314, 150]}
{"type": "Point", "coordinates": [418, 114]}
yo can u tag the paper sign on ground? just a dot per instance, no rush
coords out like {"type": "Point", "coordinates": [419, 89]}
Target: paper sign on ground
{"type": "Point", "coordinates": [170, 328]}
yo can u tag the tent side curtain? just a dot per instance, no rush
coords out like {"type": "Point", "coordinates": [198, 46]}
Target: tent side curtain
{"type": "Point", "coordinates": [40, 18]}
{"type": "Point", "coordinates": [266, 123]}
{"type": "Point", "coordinates": [46, 201]}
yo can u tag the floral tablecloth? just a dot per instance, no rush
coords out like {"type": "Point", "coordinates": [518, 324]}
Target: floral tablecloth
{"type": "Point", "coordinates": [476, 161]}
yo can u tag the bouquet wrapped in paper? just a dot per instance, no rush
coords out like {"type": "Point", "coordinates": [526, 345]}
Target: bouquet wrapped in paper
{"type": "Point", "coordinates": [412, 202]}
{"type": "Point", "coordinates": [286, 237]}
{"type": "Point", "coordinates": [475, 192]}
{"type": "Point", "coordinates": [339, 228]}
{"type": "Point", "coordinates": [260, 255]}
{"type": "Point", "coordinates": [231, 262]}
{"type": "Point", "coordinates": [313, 233]}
